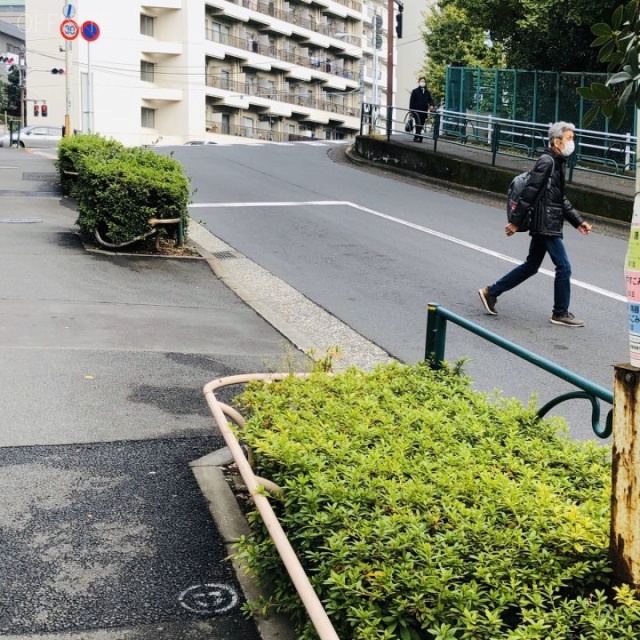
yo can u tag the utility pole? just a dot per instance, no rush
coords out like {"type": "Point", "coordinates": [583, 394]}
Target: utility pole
{"type": "Point", "coordinates": [22, 75]}
{"type": "Point", "coordinates": [390, 22]}
{"type": "Point", "coordinates": [390, 14]}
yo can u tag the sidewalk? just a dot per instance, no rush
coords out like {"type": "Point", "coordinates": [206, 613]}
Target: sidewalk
{"type": "Point", "coordinates": [104, 531]}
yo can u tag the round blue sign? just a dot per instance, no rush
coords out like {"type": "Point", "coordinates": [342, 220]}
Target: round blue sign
{"type": "Point", "coordinates": [90, 31]}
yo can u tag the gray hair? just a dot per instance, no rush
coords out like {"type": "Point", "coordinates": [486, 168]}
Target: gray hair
{"type": "Point", "coordinates": [557, 129]}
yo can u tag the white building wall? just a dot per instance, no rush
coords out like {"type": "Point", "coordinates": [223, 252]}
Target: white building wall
{"type": "Point", "coordinates": [411, 50]}
{"type": "Point", "coordinates": [178, 95]}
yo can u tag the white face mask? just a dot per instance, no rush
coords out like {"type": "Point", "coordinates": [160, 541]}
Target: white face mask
{"type": "Point", "coordinates": [568, 149]}
{"type": "Point", "coordinates": [422, 84]}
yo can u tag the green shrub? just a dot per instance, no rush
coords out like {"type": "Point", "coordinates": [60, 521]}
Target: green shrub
{"type": "Point", "coordinates": [422, 509]}
{"type": "Point", "coordinates": [73, 148]}
{"type": "Point", "coordinates": [120, 189]}
{"type": "Point", "coordinates": [119, 195]}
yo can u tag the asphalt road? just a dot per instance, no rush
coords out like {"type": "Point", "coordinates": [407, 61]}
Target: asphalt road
{"type": "Point", "coordinates": [374, 250]}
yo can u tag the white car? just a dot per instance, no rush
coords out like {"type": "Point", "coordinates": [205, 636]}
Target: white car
{"type": "Point", "coordinates": [34, 136]}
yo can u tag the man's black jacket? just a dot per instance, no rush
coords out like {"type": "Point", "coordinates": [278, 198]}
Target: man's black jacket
{"type": "Point", "coordinates": [552, 208]}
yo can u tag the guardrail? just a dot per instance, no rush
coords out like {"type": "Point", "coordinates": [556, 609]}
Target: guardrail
{"type": "Point", "coordinates": [596, 151]}
{"type": "Point", "coordinates": [437, 318]}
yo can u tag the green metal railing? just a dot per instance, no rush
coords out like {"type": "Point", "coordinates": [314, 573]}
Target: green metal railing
{"type": "Point", "coordinates": [596, 151]}
{"type": "Point", "coordinates": [437, 318]}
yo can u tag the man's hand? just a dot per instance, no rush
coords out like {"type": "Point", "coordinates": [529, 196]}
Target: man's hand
{"type": "Point", "coordinates": [510, 229]}
{"type": "Point", "coordinates": [585, 228]}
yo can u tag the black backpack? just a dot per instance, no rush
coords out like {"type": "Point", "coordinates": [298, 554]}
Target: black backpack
{"type": "Point", "coordinates": [513, 195]}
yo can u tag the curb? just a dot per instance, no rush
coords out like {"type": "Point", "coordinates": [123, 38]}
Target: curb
{"type": "Point", "coordinates": [605, 226]}
{"type": "Point", "coordinates": [232, 525]}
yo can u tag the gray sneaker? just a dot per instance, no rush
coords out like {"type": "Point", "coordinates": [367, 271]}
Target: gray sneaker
{"type": "Point", "coordinates": [568, 320]}
{"type": "Point", "coordinates": [488, 300]}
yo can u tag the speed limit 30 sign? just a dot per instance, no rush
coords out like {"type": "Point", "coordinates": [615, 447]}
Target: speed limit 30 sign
{"type": "Point", "coordinates": [69, 29]}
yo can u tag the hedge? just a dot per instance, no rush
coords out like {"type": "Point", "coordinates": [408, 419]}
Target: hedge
{"type": "Point", "coordinates": [119, 189]}
{"type": "Point", "coordinates": [423, 509]}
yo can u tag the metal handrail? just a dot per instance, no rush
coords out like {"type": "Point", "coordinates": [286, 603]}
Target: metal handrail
{"type": "Point", "coordinates": [437, 317]}
{"type": "Point", "coordinates": [309, 597]}
{"type": "Point", "coordinates": [596, 151]}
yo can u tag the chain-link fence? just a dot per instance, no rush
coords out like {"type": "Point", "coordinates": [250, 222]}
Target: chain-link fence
{"type": "Point", "coordinates": [528, 96]}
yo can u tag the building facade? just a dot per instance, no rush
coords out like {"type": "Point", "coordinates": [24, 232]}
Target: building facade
{"type": "Point", "coordinates": [169, 71]}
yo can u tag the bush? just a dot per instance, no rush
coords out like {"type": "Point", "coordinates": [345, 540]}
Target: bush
{"type": "Point", "coordinates": [120, 189]}
{"type": "Point", "coordinates": [422, 509]}
{"type": "Point", "coordinates": [73, 148]}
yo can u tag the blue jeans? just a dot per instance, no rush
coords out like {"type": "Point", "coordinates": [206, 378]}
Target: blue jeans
{"type": "Point", "coordinates": [539, 247]}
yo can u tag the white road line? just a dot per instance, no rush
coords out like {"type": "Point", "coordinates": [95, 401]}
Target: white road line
{"type": "Point", "coordinates": [230, 205]}
{"type": "Point", "coordinates": [411, 225]}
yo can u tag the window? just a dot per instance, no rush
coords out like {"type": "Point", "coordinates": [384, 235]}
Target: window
{"type": "Point", "coordinates": [148, 118]}
{"type": "Point", "coordinates": [146, 25]}
{"type": "Point", "coordinates": [146, 71]}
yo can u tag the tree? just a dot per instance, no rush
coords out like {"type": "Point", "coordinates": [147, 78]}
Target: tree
{"type": "Point", "coordinates": [619, 44]}
{"type": "Point", "coordinates": [453, 38]}
{"type": "Point", "coordinates": [550, 35]}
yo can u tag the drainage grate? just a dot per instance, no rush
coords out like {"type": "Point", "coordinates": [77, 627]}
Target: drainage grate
{"type": "Point", "coordinates": [39, 177]}
{"type": "Point", "coordinates": [224, 255]}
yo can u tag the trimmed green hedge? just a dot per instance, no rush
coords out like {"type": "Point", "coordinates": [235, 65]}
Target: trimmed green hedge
{"type": "Point", "coordinates": [119, 189]}
{"type": "Point", "coordinates": [422, 509]}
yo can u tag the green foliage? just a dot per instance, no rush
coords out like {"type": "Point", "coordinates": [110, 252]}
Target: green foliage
{"type": "Point", "coordinates": [619, 47]}
{"type": "Point", "coordinates": [452, 37]}
{"type": "Point", "coordinates": [120, 189]}
{"type": "Point", "coordinates": [72, 149]}
{"type": "Point", "coordinates": [549, 35]}
{"type": "Point", "coordinates": [422, 509]}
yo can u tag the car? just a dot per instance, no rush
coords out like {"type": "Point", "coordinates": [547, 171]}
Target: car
{"type": "Point", "coordinates": [34, 136]}
{"type": "Point", "coordinates": [194, 142]}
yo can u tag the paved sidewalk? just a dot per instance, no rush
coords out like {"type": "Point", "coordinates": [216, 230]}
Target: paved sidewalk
{"type": "Point", "coordinates": [104, 531]}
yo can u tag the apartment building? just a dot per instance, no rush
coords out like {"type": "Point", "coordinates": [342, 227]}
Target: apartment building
{"type": "Point", "coordinates": [169, 71]}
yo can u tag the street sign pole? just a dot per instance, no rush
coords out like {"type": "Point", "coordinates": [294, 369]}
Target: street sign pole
{"type": "Point", "coordinates": [67, 88]}
{"type": "Point", "coordinates": [90, 32]}
{"type": "Point", "coordinates": [69, 31]}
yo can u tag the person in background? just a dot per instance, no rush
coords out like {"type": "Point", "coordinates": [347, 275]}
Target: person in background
{"type": "Point", "coordinates": [544, 196]}
{"type": "Point", "coordinates": [421, 102]}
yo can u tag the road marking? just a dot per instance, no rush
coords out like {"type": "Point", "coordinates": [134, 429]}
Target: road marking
{"type": "Point", "coordinates": [209, 599]}
{"type": "Point", "coordinates": [411, 225]}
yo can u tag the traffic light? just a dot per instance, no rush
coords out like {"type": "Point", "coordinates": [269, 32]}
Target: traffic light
{"type": "Point", "coordinates": [44, 111]}
{"type": "Point", "coordinates": [378, 26]}
{"type": "Point", "coordinates": [36, 110]}
{"type": "Point", "coordinates": [399, 21]}
{"type": "Point", "coordinates": [9, 60]}
{"type": "Point", "coordinates": [57, 72]}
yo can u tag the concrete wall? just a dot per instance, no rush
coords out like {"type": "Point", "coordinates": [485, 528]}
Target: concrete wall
{"type": "Point", "coordinates": [463, 173]}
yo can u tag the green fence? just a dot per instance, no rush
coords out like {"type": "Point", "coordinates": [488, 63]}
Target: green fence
{"type": "Point", "coordinates": [528, 96]}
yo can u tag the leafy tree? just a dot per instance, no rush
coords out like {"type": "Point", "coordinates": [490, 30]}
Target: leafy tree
{"type": "Point", "coordinates": [11, 94]}
{"type": "Point", "coordinates": [619, 44]}
{"type": "Point", "coordinates": [452, 37]}
{"type": "Point", "coordinates": [551, 35]}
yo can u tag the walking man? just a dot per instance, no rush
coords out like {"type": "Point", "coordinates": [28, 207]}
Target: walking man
{"type": "Point", "coordinates": [544, 195]}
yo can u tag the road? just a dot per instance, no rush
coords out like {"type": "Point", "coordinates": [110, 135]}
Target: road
{"type": "Point", "coordinates": [374, 250]}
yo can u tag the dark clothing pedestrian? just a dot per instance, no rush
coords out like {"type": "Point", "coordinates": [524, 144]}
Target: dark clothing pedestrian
{"type": "Point", "coordinates": [420, 103]}
{"type": "Point", "coordinates": [544, 197]}
{"type": "Point", "coordinates": [553, 209]}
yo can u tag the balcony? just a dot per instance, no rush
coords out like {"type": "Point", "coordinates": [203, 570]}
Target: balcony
{"type": "Point", "coordinates": [311, 102]}
{"type": "Point", "coordinates": [151, 46]}
{"type": "Point", "coordinates": [333, 67]}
